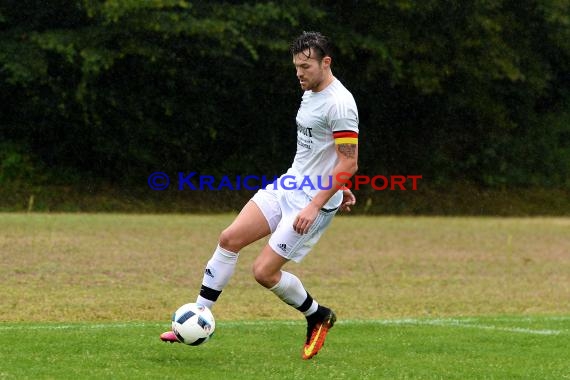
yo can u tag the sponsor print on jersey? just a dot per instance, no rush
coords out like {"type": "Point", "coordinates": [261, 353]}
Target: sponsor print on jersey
{"type": "Point", "coordinates": [304, 136]}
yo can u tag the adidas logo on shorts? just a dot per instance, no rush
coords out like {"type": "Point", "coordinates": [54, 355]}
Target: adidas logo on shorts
{"type": "Point", "coordinates": [282, 246]}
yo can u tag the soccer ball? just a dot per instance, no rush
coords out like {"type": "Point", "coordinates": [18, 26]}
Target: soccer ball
{"type": "Point", "coordinates": [193, 324]}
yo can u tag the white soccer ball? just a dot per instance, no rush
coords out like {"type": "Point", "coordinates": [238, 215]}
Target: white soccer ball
{"type": "Point", "coordinates": [193, 324]}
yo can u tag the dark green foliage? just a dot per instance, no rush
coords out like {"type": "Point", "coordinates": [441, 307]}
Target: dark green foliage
{"type": "Point", "coordinates": [109, 91]}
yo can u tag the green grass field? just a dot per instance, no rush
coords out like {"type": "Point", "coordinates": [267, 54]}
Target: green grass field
{"type": "Point", "coordinates": [86, 296]}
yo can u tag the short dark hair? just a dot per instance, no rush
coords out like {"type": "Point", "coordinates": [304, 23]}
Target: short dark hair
{"type": "Point", "coordinates": [313, 41]}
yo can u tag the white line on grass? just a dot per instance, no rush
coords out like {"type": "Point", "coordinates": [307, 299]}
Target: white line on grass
{"type": "Point", "coordinates": [81, 325]}
{"type": "Point", "coordinates": [462, 323]}
{"type": "Point", "coordinates": [515, 329]}
{"type": "Point", "coordinates": [472, 323]}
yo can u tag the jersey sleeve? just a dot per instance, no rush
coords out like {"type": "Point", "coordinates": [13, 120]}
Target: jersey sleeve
{"type": "Point", "coordinates": [344, 124]}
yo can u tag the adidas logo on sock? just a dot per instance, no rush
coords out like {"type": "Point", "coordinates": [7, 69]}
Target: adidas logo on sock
{"type": "Point", "coordinates": [282, 246]}
{"type": "Point", "coordinates": [208, 272]}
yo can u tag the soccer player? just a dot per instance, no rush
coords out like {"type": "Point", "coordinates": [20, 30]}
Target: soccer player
{"type": "Point", "coordinates": [327, 150]}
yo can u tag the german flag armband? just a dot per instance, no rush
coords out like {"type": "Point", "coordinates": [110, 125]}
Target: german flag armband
{"type": "Point", "coordinates": [345, 137]}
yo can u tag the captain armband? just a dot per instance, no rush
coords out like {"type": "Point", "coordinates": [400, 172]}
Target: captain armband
{"type": "Point", "coordinates": [345, 137]}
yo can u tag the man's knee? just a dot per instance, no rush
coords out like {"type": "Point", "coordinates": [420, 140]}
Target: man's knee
{"type": "Point", "coordinates": [266, 275]}
{"type": "Point", "coordinates": [262, 276]}
{"type": "Point", "coordinates": [229, 241]}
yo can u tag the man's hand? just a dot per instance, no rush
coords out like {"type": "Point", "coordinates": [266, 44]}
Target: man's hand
{"type": "Point", "coordinates": [305, 219]}
{"type": "Point", "coordinates": [348, 199]}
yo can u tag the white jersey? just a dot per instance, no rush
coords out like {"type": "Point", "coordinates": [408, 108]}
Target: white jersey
{"type": "Point", "coordinates": [332, 110]}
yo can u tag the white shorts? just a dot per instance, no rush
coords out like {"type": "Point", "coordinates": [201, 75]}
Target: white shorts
{"type": "Point", "coordinates": [280, 207]}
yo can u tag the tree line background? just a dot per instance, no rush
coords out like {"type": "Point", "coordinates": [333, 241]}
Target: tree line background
{"type": "Point", "coordinates": [96, 95]}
